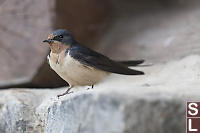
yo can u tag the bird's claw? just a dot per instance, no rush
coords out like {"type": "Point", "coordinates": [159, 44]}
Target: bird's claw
{"type": "Point", "coordinates": [64, 94]}
{"type": "Point", "coordinates": [92, 86]}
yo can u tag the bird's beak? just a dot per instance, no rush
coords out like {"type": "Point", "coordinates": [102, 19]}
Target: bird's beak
{"type": "Point", "coordinates": [48, 41]}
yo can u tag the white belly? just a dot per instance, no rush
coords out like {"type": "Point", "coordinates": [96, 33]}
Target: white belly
{"type": "Point", "coordinates": [75, 73]}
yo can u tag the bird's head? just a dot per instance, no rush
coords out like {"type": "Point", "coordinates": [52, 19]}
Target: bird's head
{"type": "Point", "coordinates": [60, 36]}
{"type": "Point", "coordinates": [59, 40]}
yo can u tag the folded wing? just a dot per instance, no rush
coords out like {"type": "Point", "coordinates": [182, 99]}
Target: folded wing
{"type": "Point", "coordinates": [91, 58]}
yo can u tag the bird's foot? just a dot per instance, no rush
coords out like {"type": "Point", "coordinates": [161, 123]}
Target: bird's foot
{"type": "Point", "coordinates": [92, 86]}
{"type": "Point", "coordinates": [64, 94]}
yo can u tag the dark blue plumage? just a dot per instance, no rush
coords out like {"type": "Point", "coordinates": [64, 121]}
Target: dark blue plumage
{"type": "Point", "coordinates": [63, 36]}
{"type": "Point", "coordinates": [61, 32]}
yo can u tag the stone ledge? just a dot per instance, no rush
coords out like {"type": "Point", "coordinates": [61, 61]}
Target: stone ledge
{"type": "Point", "coordinates": [116, 113]}
{"type": "Point", "coordinates": [154, 103]}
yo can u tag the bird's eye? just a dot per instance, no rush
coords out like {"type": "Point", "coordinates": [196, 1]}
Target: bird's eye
{"type": "Point", "coordinates": [60, 36]}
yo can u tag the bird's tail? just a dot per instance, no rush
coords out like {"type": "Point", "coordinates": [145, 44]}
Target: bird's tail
{"type": "Point", "coordinates": [132, 62]}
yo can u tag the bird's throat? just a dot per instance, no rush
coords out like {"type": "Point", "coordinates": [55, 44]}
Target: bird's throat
{"type": "Point", "coordinates": [57, 47]}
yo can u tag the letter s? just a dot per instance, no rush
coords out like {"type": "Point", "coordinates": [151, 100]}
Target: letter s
{"type": "Point", "coordinates": [193, 108]}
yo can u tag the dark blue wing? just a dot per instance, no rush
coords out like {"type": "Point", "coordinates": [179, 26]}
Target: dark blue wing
{"type": "Point", "coordinates": [89, 57]}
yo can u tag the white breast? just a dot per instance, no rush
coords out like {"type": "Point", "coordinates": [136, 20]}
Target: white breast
{"type": "Point", "coordinates": [75, 73]}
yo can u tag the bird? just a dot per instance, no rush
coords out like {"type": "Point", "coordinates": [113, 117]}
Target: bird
{"type": "Point", "coordinates": [82, 66]}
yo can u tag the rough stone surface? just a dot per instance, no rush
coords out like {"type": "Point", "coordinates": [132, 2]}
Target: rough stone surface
{"type": "Point", "coordinates": [154, 103]}
{"type": "Point", "coordinates": [87, 19]}
{"type": "Point", "coordinates": [23, 26]}
{"type": "Point", "coordinates": [155, 30]}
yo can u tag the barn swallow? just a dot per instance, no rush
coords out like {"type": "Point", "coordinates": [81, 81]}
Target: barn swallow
{"type": "Point", "coordinates": [81, 66]}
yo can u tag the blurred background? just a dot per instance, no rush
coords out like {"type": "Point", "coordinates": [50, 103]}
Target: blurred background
{"type": "Point", "coordinates": [154, 30]}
